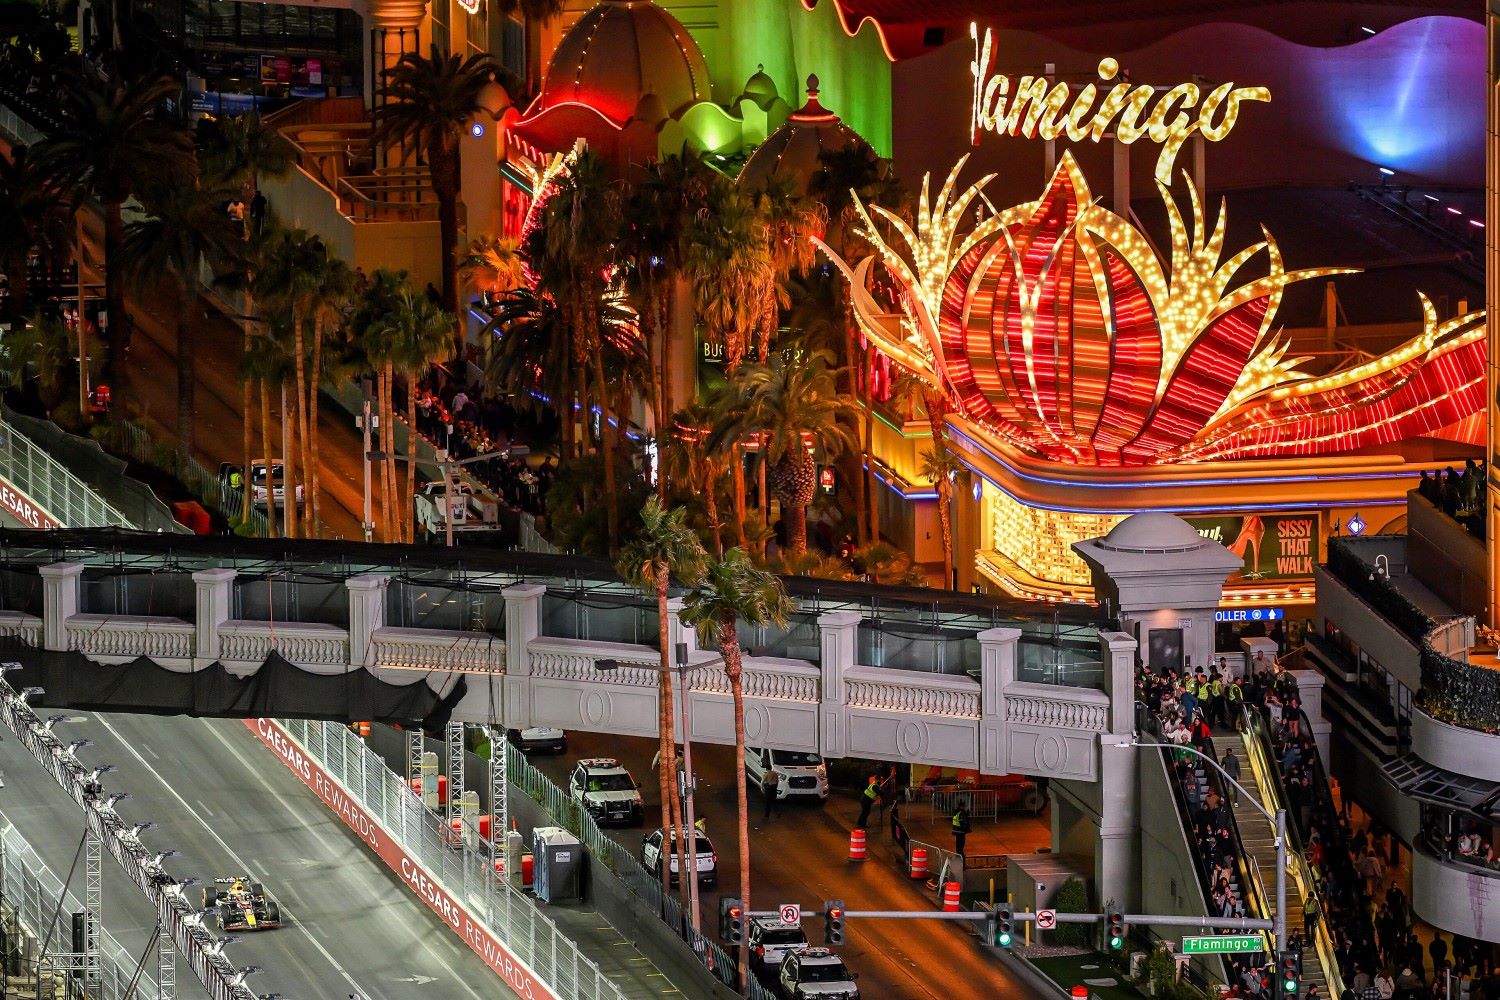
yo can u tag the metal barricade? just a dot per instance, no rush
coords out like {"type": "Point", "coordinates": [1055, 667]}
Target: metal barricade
{"type": "Point", "coordinates": [34, 897]}
{"type": "Point", "coordinates": [35, 473]}
{"type": "Point", "coordinates": [464, 872]}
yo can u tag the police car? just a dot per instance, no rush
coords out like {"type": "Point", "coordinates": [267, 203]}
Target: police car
{"type": "Point", "coordinates": [815, 972]}
{"type": "Point", "coordinates": [771, 941]}
{"type": "Point", "coordinates": [603, 787]}
{"type": "Point", "coordinates": [705, 859]}
{"type": "Point", "coordinates": [538, 738]}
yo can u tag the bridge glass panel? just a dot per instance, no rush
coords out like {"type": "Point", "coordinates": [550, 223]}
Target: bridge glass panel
{"type": "Point", "coordinates": [106, 591]}
{"type": "Point", "coordinates": [292, 597]}
{"type": "Point", "coordinates": [439, 601]}
{"type": "Point", "coordinates": [799, 640]}
{"type": "Point", "coordinates": [21, 590]}
{"type": "Point", "coordinates": [600, 615]}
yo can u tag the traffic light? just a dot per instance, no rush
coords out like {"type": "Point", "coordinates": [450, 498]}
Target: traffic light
{"type": "Point", "coordinates": [731, 920]}
{"type": "Point", "coordinates": [1114, 929]}
{"type": "Point", "coordinates": [833, 921]}
{"type": "Point", "coordinates": [1290, 968]}
{"type": "Point", "coordinates": [1002, 936]}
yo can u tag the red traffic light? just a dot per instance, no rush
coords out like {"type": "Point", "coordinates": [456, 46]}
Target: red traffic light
{"type": "Point", "coordinates": [735, 912]}
{"type": "Point", "coordinates": [834, 912]}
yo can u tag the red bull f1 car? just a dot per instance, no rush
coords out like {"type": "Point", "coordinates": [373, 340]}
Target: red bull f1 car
{"type": "Point", "coordinates": [241, 905]}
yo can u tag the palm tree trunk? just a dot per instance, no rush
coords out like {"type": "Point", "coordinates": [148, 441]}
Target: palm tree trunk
{"type": "Point", "coordinates": [411, 449]}
{"type": "Point", "coordinates": [740, 504]}
{"type": "Point", "coordinates": [114, 300]}
{"type": "Point", "coordinates": [666, 751]}
{"type": "Point", "coordinates": [729, 645]}
{"type": "Point", "coordinates": [796, 530]}
{"type": "Point", "coordinates": [300, 364]}
{"type": "Point", "coordinates": [867, 470]}
{"type": "Point", "coordinates": [606, 434]}
{"type": "Point", "coordinates": [289, 508]}
{"type": "Point", "coordinates": [265, 447]}
{"type": "Point", "coordinates": [247, 438]}
{"type": "Point", "coordinates": [314, 506]}
{"type": "Point", "coordinates": [445, 178]}
{"type": "Point", "coordinates": [937, 408]}
{"type": "Point", "coordinates": [711, 506]}
{"type": "Point", "coordinates": [186, 376]}
{"type": "Point", "coordinates": [385, 482]}
{"type": "Point", "coordinates": [388, 407]}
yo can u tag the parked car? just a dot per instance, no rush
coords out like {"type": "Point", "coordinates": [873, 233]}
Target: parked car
{"type": "Point", "coordinates": [803, 775]}
{"type": "Point", "coordinates": [705, 858]}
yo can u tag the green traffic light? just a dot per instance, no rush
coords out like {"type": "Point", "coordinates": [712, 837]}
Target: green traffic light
{"type": "Point", "coordinates": [1116, 942]}
{"type": "Point", "coordinates": [1290, 986]}
{"type": "Point", "coordinates": [1003, 940]}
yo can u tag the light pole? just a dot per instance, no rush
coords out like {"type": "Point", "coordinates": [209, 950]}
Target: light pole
{"type": "Point", "coordinates": [689, 786]}
{"type": "Point", "coordinates": [447, 463]}
{"type": "Point", "coordinates": [1278, 821]}
{"type": "Point", "coordinates": [368, 523]}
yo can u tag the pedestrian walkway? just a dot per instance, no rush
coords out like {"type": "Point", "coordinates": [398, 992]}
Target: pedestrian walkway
{"type": "Point", "coordinates": [1258, 837]}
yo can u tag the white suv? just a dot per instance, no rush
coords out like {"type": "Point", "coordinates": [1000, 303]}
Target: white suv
{"type": "Point", "coordinates": [771, 941]}
{"type": "Point", "coordinates": [705, 859]}
{"type": "Point", "coordinates": [603, 787]}
{"type": "Point", "coordinates": [815, 972]}
{"type": "Point", "coordinates": [803, 775]}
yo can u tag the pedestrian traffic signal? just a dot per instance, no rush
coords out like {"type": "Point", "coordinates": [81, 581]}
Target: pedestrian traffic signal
{"type": "Point", "coordinates": [833, 921]}
{"type": "Point", "coordinates": [1289, 973]}
{"type": "Point", "coordinates": [1002, 935]}
{"type": "Point", "coordinates": [1114, 929]}
{"type": "Point", "coordinates": [731, 920]}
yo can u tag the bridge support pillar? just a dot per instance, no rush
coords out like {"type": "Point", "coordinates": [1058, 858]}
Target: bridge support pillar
{"type": "Point", "coordinates": [60, 587]}
{"type": "Point", "coordinates": [997, 668]}
{"type": "Point", "coordinates": [215, 597]}
{"type": "Point", "coordinates": [523, 623]}
{"type": "Point", "coordinates": [839, 639]}
{"type": "Point", "coordinates": [1119, 650]}
{"type": "Point", "coordinates": [366, 614]}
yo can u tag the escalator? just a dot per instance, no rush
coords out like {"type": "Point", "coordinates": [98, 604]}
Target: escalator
{"type": "Point", "coordinates": [1262, 777]}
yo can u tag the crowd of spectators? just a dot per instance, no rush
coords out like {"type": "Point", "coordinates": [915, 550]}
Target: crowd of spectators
{"type": "Point", "coordinates": [1458, 494]}
{"type": "Point", "coordinates": [1460, 838]}
{"type": "Point", "coordinates": [449, 417]}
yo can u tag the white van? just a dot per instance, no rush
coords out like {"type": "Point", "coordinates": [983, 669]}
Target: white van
{"type": "Point", "coordinates": [803, 775]}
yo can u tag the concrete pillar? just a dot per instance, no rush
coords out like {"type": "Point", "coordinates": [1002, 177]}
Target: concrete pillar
{"type": "Point", "coordinates": [1263, 646]}
{"type": "Point", "coordinates": [215, 598]}
{"type": "Point", "coordinates": [967, 515]}
{"type": "Point", "coordinates": [1310, 691]}
{"type": "Point", "coordinates": [366, 614]}
{"type": "Point", "coordinates": [523, 623]}
{"type": "Point", "coordinates": [997, 668]}
{"type": "Point", "coordinates": [838, 639]}
{"type": "Point", "coordinates": [60, 591]}
{"type": "Point", "coordinates": [1117, 860]}
{"type": "Point", "coordinates": [1118, 650]}
{"type": "Point", "coordinates": [678, 632]}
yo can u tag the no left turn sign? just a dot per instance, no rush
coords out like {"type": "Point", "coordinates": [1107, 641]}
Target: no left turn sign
{"type": "Point", "coordinates": [1046, 919]}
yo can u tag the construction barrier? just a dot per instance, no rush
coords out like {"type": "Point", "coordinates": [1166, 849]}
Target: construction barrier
{"type": "Point", "coordinates": [856, 845]}
{"type": "Point", "coordinates": [950, 897]}
{"type": "Point", "coordinates": [919, 862]}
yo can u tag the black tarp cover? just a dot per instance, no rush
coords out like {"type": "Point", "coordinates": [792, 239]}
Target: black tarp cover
{"type": "Point", "coordinates": [278, 690]}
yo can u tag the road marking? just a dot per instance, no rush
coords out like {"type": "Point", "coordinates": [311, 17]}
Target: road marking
{"type": "Point", "coordinates": [204, 807]}
{"type": "Point", "coordinates": [234, 752]}
{"type": "Point", "coordinates": [239, 862]}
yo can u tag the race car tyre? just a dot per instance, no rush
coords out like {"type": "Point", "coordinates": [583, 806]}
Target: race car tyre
{"type": "Point", "coordinates": [210, 897]}
{"type": "Point", "coordinates": [273, 913]}
{"type": "Point", "coordinates": [256, 889]}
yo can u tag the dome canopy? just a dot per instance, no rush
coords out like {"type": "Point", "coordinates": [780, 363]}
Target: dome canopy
{"type": "Point", "coordinates": [760, 89]}
{"type": "Point", "coordinates": [792, 152]}
{"type": "Point", "coordinates": [1154, 532]}
{"type": "Point", "coordinates": [620, 51]}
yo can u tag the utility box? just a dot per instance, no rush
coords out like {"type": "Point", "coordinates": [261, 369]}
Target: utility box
{"type": "Point", "coordinates": [559, 860]}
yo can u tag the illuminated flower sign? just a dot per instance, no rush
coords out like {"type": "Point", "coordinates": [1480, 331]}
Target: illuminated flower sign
{"type": "Point", "coordinates": [1056, 325]}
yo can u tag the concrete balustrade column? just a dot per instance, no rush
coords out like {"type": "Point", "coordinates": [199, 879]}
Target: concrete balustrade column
{"type": "Point", "coordinates": [60, 593]}
{"type": "Point", "coordinates": [838, 640]}
{"type": "Point", "coordinates": [366, 614]}
{"type": "Point", "coordinates": [523, 623]}
{"type": "Point", "coordinates": [215, 598]}
{"type": "Point", "coordinates": [997, 668]}
{"type": "Point", "coordinates": [1258, 644]}
{"type": "Point", "coordinates": [1118, 649]}
{"type": "Point", "coordinates": [678, 632]}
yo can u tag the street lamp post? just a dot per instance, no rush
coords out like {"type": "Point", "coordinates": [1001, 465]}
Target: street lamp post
{"type": "Point", "coordinates": [690, 786]}
{"type": "Point", "coordinates": [1278, 821]}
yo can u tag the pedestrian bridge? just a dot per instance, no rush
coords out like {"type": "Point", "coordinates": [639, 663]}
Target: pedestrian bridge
{"type": "Point", "coordinates": [116, 621]}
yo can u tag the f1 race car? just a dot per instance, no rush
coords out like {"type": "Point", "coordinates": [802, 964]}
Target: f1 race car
{"type": "Point", "coordinates": [241, 905]}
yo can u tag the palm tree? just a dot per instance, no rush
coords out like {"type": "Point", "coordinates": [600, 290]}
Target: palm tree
{"type": "Point", "coordinates": [788, 222]}
{"type": "Point", "coordinates": [37, 354]}
{"type": "Point", "coordinates": [184, 226]}
{"type": "Point", "coordinates": [527, 354]}
{"type": "Point", "coordinates": [939, 467]}
{"type": "Point", "coordinates": [115, 144]}
{"type": "Point", "coordinates": [418, 333]}
{"type": "Point", "coordinates": [426, 103]}
{"type": "Point", "coordinates": [795, 406]}
{"type": "Point", "coordinates": [581, 222]}
{"type": "Point", "coordinates": [333, 290]}
{"type": "Point", "coordinates": [665, 547]}
{"type": "Point", "coordinates": [730, 266]}
{"type": "Point", "coordinates": [687, 459]}
{"type": "Point", "coordinates": [30, 217]}
{"type": "Point", "coordinates": [263, 365]}
{"type": "Point", "coordinates": [492, 264]}
{"type": "Point", "coordinates": [732, 590]}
